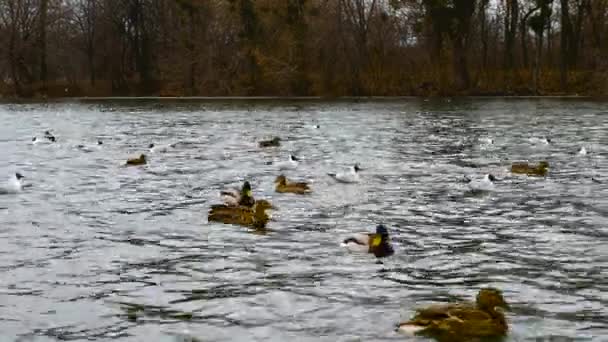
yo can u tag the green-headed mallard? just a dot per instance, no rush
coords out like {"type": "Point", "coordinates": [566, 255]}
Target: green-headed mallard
{"type": "Point", "coordinates": [141, 160]}
{"type": "Point", "coordinates": [255, 216]}
{"type": "Point", "coordinates": [282, 186]}
{"type": "Point", "coordinates": [377, 243]}
{"type": "Point", "coordinates": [461, 322]}
{"type": "Point", "coordinates": [274, 142]}
{"type": "Point", "coordinates": [531, 170]}
{"type": "Point", "coordinates": [235, 197]}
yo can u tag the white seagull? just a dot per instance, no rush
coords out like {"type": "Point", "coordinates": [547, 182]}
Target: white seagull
{"type": "Point", "coordinates": [13, 185]}
{"type": "Point", "coordinates": [289, 164]}
{"type": "Point", "coordinates": [351, 176]}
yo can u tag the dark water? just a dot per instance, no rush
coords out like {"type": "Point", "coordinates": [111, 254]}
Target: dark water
{"type": "Point", "coordinates": [96, 251]}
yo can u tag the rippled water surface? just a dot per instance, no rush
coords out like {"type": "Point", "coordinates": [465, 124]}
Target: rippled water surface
{"type": "Point", "coordinates": [97, 251]}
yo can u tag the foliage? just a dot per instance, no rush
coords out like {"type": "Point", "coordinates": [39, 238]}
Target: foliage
{"type": "Point", "coordinates": [302, 47]}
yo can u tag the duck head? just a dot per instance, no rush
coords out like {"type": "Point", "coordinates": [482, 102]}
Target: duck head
{"type": "Point", "coordinates": [491, 177]}
{"type": "Point", "coordinates": [276, 140]}
{"type": "Point", "coordinates": [543, 165]}
{"type": "Point", "coordinates": [293, 158]}
{"type": "Point", "coordinates": [490, 298]}
{"type": "Point", "coordinates": [151, 146]}
{"type": "Point", "coordinates": [142, 157]}
{"type": "Point", "coordinates": [19, 176]}
{"type": "Point", "coordinates": [281, 180]}
{"type": "Point", "coordinates": [99, 142]}
{"type": "Point", "coordinates": [548, 140]}
{"type": "Point", "coordinates": [246, 190]}
{"type": "Point", "coordinates": [356, 168]}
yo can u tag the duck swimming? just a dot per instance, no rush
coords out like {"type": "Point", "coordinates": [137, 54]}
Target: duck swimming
{"type": "Point", "coordinates": [289, 164]}
{"type": "Point", "coordinates": [274, 142]}
{"type": "Point", "coordinates": [375, 243]}
{"type": "Point", "coordinates": [283, 186]}
{"type": "Point", "coordinates": [351, 176]}
{"type": "Point", "coordinates": [141, 160]}
{"type": "Point", "coordinates": [234, 197]}
{"type": "Point", "coordinates": [486, 141]}
{"type": "Point", "coordinates": [13, 185]}
{"type": "Point", "coordinates": [49, 136]}
{"type": "Point", "coordinates": [461, 322]}
{"type": "Point", "coordinates": [254, 216]}
{"type": "Point", "coordinates": [523, 168]}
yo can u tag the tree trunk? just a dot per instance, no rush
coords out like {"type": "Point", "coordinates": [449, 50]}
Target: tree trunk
{"type": "Point", "coordinates": [42, 22]}
{"type": "Point", "coordinates": [565, 39]}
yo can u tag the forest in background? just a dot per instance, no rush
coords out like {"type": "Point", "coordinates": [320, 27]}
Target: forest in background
{"type": "Point", "coordinates": [327, 48]}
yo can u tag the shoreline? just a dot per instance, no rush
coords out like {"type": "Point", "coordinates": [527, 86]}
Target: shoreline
{"type": "Point", "coordinates": [290, 98]}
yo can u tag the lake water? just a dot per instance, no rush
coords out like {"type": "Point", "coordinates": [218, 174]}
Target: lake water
{"type": "Point", "coordinates": [97, 251]}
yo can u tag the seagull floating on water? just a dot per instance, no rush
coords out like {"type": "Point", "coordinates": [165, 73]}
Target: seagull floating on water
{"type": "Point", "coordinates": [582, 151]}
{"type": "Point", "coordinates": [486, 141]}
{"type": "Point", "coordinates": [351, 176]}
{"type": "Point", "coordinates": [13, 185]}
{"type": "Point", "coordinates": [484, 184]}
{"type": "Point", "coordinates": [536, 140]}
{"type": "Point", "coordinates": [160, 148]}
{"type": "Point", "coordinates": [289, 164]}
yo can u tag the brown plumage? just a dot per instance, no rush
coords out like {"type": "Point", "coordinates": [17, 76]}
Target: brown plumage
{"type": "Point", "coordinates": [462, 322]}
{"type": "Point", "coordinates": [274, 142]}
{"type": "Point", "coordinates": [531, 170]}
{"type": "Point", "coordinates": [255, 216]}
{"type": "Point", "coordinates": [141, 160]}
{"type": "Point", "coordinates": [283, 186]}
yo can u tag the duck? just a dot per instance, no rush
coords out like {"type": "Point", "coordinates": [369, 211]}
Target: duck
{"type": "Point", "coordinates": [274, 142]}
{"type": "Point", "coordinates": [160, 148]}
{"type": "Point", "coordinates": [283, 186]}
{"type": "Point", "coordinates": [141, 160]}
{"type": "Point", "coordinates": [13, 185]}
{"type": "Point", "coordinates": [536, 140]}
{"type": "Point", "coordinates": [289, 164]}
{"type": "Point", "coordinates": [523, 168]}
{"type": "Point", "coordinates": [351, 176]}
{"type": "Point", "coordinates": [236, 197]}
{"type": "Point", "coordinates": [254, 216]}
{"type": "Point", "coordinates": [49, 136]}
{"type": "Point", "coordinates": [481, 185]}
{"type": "Point", "coordinates": [582, 151]}
{"type": "Point", "coordinates": [377, 243]}
{"type": "Point", "coordinates": [461, 321]}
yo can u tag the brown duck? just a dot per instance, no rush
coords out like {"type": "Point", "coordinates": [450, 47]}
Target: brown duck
{"type": "Point", "coordinates": [255, 216]}
{"type": "Point", "coordinates": [274, 142]}
{"type": "Point", "coordinates": [141, 160]}
{"type": "Point", "coordinates": [531, 170]}
{"type": "Point", "coordinates": [461, 322]}
{"type": "Point", "coordinates": [283, 186]}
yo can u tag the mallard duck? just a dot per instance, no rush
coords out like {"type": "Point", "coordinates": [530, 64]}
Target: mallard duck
{"type": "Point", "coordinates": [235, 197]}
{"type": "Point", "coordinates": [141, 160]}
{"type": "Point", "coordinates": [246, 216]}
{"type": "Point", "coordinates": [49, 136]}
{"type": "Point", "coordinates": [274, 142]}
{"type": "Point", "coordinates": [282, 186]}
{"type": "Point", "coordinates": [461, 322]}
{"type": "Point", "coordinates": [377, 243]}
{"type": "Point", "coordinates": [351, 176]}
{"type": "Point", "coordinates": [523, 168]}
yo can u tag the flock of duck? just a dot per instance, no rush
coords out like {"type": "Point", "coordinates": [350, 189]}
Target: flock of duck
{"type": "Point", "coordinates": [451, 322]}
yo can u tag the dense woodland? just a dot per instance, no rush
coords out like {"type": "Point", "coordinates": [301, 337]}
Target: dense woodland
{"type": "Point", "coordinates": [303, 47]}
